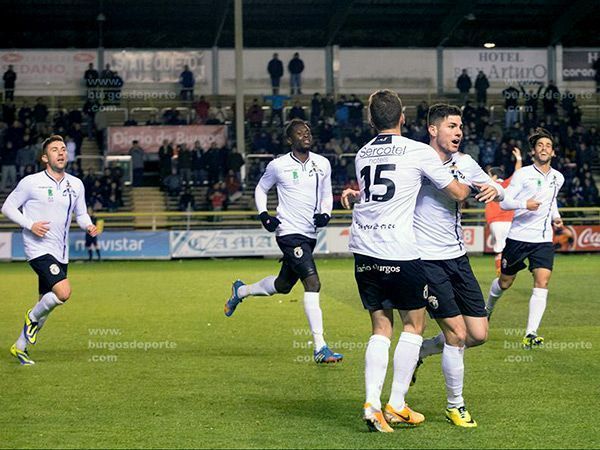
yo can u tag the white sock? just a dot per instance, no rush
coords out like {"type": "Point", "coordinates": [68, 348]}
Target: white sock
{"type": "Point", "coordinates": [313, 312]}
{"type": "Point", "coordinates": [262, 288]}
{"type": "Point", "coordinates": [537, 306]}
{"type": "Point", "coordinates": [405, 361]}
{"type": "Point", "coordinates": [495, 293]}
{"type": "Point", "coordinates": [21, 343]}
{"type": "Point", "coordinates": [432, 346]}
{"type": "Point", "coordinates": [47, 303]}
{"type": "Point", "coordinates": [453, 367]}
{"type": "Point", "coordinates": [376, 362]}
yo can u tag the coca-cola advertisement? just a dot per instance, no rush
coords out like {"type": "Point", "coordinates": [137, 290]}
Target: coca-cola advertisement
{"type": "Point", "coordinates": [573, 238]}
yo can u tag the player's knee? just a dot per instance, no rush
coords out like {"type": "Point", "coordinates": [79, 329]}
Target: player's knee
{"type": "Point", "coordinates": [312, 284]}
{"type": "Point", "coordinates": [63, 293]}
{"type": "Point", "coordinates": [541, 284]}
{"type": "Point", "coordinates": [477, 338]}
{"type": "Point", "coordinates": [505, 283]}
{"type": "Point", "coordinates": [456, 337]}
{"type": "Point", "coordinates": [283, 287]}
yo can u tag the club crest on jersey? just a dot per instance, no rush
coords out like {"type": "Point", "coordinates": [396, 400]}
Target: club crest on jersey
{"type": "Point", "coordinates": [295, 177]}
{"type": "Point", "coordinates": [50, 195]}
{"type": "Point", "coordinates": [298, 252]}
{"type": "Point", "coordinates": [315, 169]}
{"type": "Point", "coordinates": [69, 190]}
{"type": "Point", "coordinates": [54, 269]}
{"type": "Point", "coordinates": [433, 301]}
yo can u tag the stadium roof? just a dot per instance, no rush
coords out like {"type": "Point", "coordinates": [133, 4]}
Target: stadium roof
{"type": "Point", "coordinates": [300, 23]}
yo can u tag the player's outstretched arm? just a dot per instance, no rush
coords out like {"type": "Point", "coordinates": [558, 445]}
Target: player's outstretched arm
{"type": "Point", "coordinates": [457, 191]}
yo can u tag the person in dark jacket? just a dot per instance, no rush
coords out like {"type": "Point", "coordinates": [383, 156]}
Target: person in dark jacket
{"type": "Point", "coordinates": [275, 69]}
{"type": "Point", "coordinates": [296, 67]}
{"type": "Point", "coordinates": [9, 83]}
{"type": "Point", "coordinates": [481, 86]}
{"type": "Point", "coordinates": [464, 84]}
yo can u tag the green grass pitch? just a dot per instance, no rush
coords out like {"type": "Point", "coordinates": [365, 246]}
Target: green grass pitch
{"type": "Point", "coordinates": [248, 382]}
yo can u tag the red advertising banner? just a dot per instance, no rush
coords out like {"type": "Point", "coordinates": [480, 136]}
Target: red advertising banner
{"type": "Point", "coordinates": [152, 137]}
{"type": "Point", "coordinates": [573, 238]}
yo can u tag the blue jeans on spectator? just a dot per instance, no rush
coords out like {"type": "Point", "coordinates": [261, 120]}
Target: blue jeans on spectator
{"type": "Point", "coordinates": [295, 84]}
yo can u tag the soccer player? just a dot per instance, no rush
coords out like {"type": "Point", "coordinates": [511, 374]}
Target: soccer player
{"type": "Point", "coordinates": [42, 204]}
{"type": "Point", "coordinates": [303, 181]}
{"type": "Point", "coordinates": [455, 299]}
{"type": "Point", "coordinates": [532, 194]}
{"type": "Point", "coordinates": [389, 272]}
{"type": "Point", "coordinates": [497, 219]}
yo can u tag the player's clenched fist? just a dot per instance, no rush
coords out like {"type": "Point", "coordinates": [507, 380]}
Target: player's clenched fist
{"type": "Point", "coordinates": [349, 197]}
{"type": "Point", "coordinates": [269, 222]}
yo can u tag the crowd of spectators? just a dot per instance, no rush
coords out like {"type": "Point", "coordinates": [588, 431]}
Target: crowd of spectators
{"type": "Point", "coordinates": [339, 129]}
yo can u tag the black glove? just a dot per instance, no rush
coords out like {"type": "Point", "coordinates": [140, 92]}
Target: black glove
{"type": "Point", "coordinates": [321, 220]}
{"type": "Point", "coordinates": [269, 222]}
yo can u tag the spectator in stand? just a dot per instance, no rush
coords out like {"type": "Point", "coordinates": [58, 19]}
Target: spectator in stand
{"type": "Point", "coordinates": [550, 100]}
{"type": "Point", "coordinates": [9, 77]}
{"type": "Point", "coordinates": [100, 124]}
{"type": "Point", "coordinates": [355, 111]}
{"type": "Point", "coordinates": [9, 112]}
{"type": "Point", "coordinates": [235, 161]}
{"type": "Point", "coordinates": [329, 109]}
{"type": "Point", "coordinates": [233, 186]}
{"type": "Point", "coordinates": [165, 156]}
{"type": "Point", "coordinates": [199, 164]}
{"type": "Point", "coordinates": [342, 112]}
{"type": "Point", "coordinates": [184, 164]}
{"type": "Point", "coordinates": [216, 115]}
{"type": "Point", "coordinates": [255, 115]}
{"type": "Point", "coordinates": [9, 161]}
{"type": "Point", "coordinates": [492, 129]}
{"type": "Point", "coordinates": [481, 86]}
{"type": "Point", "coordinates": [90, 78]}
{"type": "Point", "coordinates": [315, 109]}
{"type": "Point", "coordinates": [187, 202]}
{"type": "Point", "coordinates": [217, 197]}
{"type": "Point", "coordinates": [464, 84]}
{"type": "Point", "coordinates": [531, 100]}
{"type": "Point", "coordinates": [511, 102]}
{"type": "Point", "coordinates": [576, 193]}
{"type": "Point", "coordinates": [25, 156]}
{"type": "Point", "coordinates": [187, 81]}
{"type": "Point", "coordinates": [422, 110]}
{"type": "Point", "coordinates": [212, 163]}
{"type": "Point", "coordinates": [297, 112]}
{"type": "Point", "coordinates": [296, 67]}
{"type": "Point", "coordinates": [172, 183]}
{"type": "Point", "coordinates": [137, 163]}
{"type": "Point", "coordinates": [590, 192]}
{"type": "Point", "coordinates": [25, 112]}
{"type": "Point", "coordinates": [275, 69]}
{"type": "Point", "coordinates": [277, 104]}
{"type": "Point", "coordinates": [202, 107]}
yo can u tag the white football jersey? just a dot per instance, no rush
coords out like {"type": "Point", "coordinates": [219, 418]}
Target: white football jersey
{"type": "Point", "coordinates": [303, 190]}
{"type": "Point", "coordinates": [438, 227]}
{"type": "Point", "coordinates": [390, 170]}
{"type": "Point", "coordinates": [531, 182]}
{"type": "Point", "coordinates": [40, 198]}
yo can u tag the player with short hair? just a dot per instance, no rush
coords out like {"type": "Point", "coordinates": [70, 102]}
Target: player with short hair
{"type": "Point", "coordinates": [303, 181]}
{"type": "Point", "coordinates": [43, 204]}
{"type": "Point", "coordinates": [499, 220]}
{"type": "Point", "coordinates": [388, 269]}
{"type": "Point", "coordinates": [532, 194]}
{"type": "Point", "coordinates": [455, 299]}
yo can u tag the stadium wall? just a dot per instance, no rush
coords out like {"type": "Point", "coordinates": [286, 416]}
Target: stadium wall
{"type": "Point", "coordinates": [60, 71]}
{"type": "Point", "coordinates": [257, 242]}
